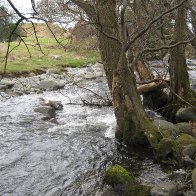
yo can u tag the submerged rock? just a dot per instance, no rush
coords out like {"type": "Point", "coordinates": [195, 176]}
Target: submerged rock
{"type": "Point", "coordinates": [164, 189]}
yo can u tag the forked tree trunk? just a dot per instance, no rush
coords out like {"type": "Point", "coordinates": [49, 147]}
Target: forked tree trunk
{"type": "Point", "coordinates": [133, 126]}
{"type": "Point", "coordinates": [132, 121]}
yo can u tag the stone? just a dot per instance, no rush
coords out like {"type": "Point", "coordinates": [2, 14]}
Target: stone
{"type": "Point", "coordinates": [50, 85]}
{"type": "Point", "coordinates": [164, 189]}
{"type": "Point", "coordinates": [189, 150]}
{"type": "Point", "coordinates": [124, 183]}
{"type": "Point", "coordinates": [188, 161]}
{"type": "Point", "coordinates": [193, 177]}
{"type": "Point", "coordinates": [186, 114]}
{"type": "Point", "coordinates": [57, 105]}
{"type": "Point", "coordinates": [185, 139]}
{"type": "Point", "coordinates": [184, 127]}
{"type": "Point", "coordinates": [47, 111]}
{"type": "Point", "coordinates": [89, 76]}
{"type": "Point", "coordinates": [166, 128]}
{"type": "Point", "coordinates": [4, 85]}
{"type": "Point", "coordinates": [56, 56]}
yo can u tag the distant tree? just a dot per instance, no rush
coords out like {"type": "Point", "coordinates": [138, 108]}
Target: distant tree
{"type": "Point", "coordinates": [7, 25]}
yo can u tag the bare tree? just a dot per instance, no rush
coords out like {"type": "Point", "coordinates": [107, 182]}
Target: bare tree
{"type": "Point", "coordinates": [108, 17]}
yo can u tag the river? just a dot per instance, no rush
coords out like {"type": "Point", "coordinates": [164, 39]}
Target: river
{"type": "Point", "coordinates": [69, 158]}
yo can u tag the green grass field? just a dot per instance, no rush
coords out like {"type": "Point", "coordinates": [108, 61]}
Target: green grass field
{"type": "Point", "coordinates": [20, 61]}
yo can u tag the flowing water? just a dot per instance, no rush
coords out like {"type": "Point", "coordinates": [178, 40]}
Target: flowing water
{"type": "Point", "coordinates": [69, 158]}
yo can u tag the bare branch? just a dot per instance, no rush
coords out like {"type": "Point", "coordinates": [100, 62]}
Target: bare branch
{"type": "Point", "coordinates": [142, 32]}
{"type": "Point", "coordinates": [37, 38]}
{"type": "Point", "coordinates": [168, 47]}
{"type": "Point", "coordinates": [33, 6]}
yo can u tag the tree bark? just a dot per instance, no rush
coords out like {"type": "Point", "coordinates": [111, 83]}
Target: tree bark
{"type": "Point", "coordinates": [132, 122]}
{"type": "Point", "coordinates": [179, 79]}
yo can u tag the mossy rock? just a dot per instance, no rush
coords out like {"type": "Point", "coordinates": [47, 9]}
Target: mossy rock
{"type": "Point", "coordinates": [184, 127]}
{"type": "Point", "coordinates": [164, 149]}
{"type": "Point", "coordinates": [167, 129]}
{"type": "Point", "coordinates": [185, 139]}
{"type": "Point", "coordinates": [143, 190]}
{"type": "Point", "coordinates": [117, 175]}
{"type": "Point", "coordinates": [124, 183]}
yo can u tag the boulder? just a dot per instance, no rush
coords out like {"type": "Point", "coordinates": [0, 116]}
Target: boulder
{"type": "Point", "coordinates": [164, 189]}
{"type": "Point", "coordinates": [4, 84]}
{"type": "Point", "coordinates": [184, 127]}
{"type": "Point", "coordinates": [124, 183]}
{"type": "Point", "coordinates": [186, 114]}
{"type": "Point", "coordinates": [189, 150]}
{"type": "Point", "coordinates": [193, 177]}
{"type": "Point", "coordinates": [3, 87]}
{"type": "Point", "coordinates": [166, 128]}
{"type": "Point", "coordinates": [50, 85]}
{"type": "Point", "coordinates": [47, 111]}
{"type": "Point", "coordinates": [57, 105]}
{"type": "Point", "coordinates": [185, 139]}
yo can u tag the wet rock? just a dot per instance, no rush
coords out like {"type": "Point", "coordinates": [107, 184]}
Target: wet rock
{"type": "Point", "coordinates": [5, 84]}
{"type": "Point", "coordinates": [164, 189]}
{"type": "Point", "coordinates": [89, 76]}
{"type": "Point", "coordinates": [164, 148]}
{"type": "Point", "coordinates": [53, 120]}
{"type": "Point", "coordinates": [124, 183]}
{"type": "Point", "coordinates": [3, 87]}
{"type": "Point", "coordinates": [193, 177]}
{"type": "Point", "coordinates": [184, 127]}
{"type": "Point", "coordinates": [51, 85]}
{"type": "Point", "coordinates": [189, 150]}
{"type": "Point", "coordinates": [186, 114]}
{"type": "Point", "coordinates": [19, 93]}
{"type": "Point", "coordinates": [179, 176]}
{"type": "Point", "coordinates": [47, 111]}
{"type": "Point", "coordinates": [166, 128]}
{"type": "Point", "coordinates": [57, 105]}
{"type": "Point", "coordinates": [188, 161]}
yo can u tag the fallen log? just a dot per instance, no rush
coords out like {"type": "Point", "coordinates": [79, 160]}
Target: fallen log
{"type": "Point", "coordinates": [151, 86]}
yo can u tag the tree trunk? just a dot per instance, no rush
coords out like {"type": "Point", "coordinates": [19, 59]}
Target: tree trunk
{"type": "Point", "coordinates": [132, 121]}
{"type": "Point", "coordinates": [133, 126]}
{"type": "Point", "coordinates": [179, 79]}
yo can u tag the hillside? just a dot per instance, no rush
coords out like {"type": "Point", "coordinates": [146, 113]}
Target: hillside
{"type": "Point", "coordinates": [42, 30]}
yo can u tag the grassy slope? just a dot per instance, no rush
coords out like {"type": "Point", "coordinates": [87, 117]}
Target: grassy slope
{"type": "Point", "coordinates": [19, 60]}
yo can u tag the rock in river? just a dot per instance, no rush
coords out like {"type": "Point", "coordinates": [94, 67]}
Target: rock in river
{"type": "Point", "coordinates": [47, 111]}
{"type": "Point", "coordinates": [51, 85]}
{"type": "Point", "coordinates": [164, 189]}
